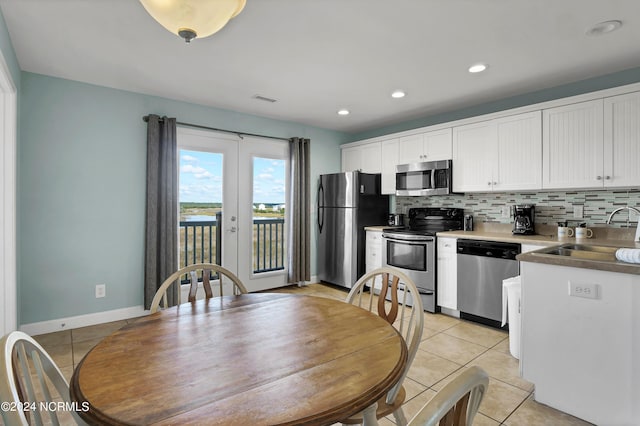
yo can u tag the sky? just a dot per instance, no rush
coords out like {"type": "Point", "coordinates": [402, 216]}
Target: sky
{"type": "Point", "coordinates": [201, 178]}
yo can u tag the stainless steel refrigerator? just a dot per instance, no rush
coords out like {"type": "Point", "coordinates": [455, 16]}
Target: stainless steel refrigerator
{"type": "Point", "coordinates": [347, 202]}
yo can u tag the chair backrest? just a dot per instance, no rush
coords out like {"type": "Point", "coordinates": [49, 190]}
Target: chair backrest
{"type": "Point", "coordinates": [404, 309]}
{"type": "Point", "coordinates": [32, 384]}
{"type": "Point", "coordinates": [457, 403]}
{"type": "Point", "coordinates": [198, 272]}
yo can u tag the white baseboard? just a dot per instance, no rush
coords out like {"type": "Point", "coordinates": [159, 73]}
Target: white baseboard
{"type": "Point", "coordinates": [51, 326]}
{"type": "Point", "coordinates": [314, 280]}
{"type": "Point", "coordinates": [68, 323]}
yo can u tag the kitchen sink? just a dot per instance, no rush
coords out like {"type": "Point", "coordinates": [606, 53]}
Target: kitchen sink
{"type": "Point", "coordinates": [582, 251]}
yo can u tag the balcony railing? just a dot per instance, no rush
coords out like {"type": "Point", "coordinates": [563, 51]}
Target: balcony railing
{"type": "Point", "coordinates": [268, 245]}
{"type": "Point", "coordinates": [201, 241]}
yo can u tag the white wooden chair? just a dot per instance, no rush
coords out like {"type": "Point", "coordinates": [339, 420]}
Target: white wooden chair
{"type": "Point", "coordinates": [30, 379]}
{"type": "Point", "coordinates": [370, 293]}
{"type": "Point", "coordinates": [198, 272]}
{"type": "Point", "coordinates": [457, 403]}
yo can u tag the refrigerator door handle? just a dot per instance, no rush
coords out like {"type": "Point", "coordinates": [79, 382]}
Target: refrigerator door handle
{"type": "Point", "coordinates": [320, 209]}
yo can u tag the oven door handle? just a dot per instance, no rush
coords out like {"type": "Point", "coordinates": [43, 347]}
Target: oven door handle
{"type": "Point", "coordinates": [409, 241]}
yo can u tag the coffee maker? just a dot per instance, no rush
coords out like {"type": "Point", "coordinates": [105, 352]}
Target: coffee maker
{"type": "Point", "coordinates": [523, 219]}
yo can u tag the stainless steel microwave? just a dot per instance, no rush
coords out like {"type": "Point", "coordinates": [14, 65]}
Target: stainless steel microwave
{"type": "Point", "coordinates": [428, 178]}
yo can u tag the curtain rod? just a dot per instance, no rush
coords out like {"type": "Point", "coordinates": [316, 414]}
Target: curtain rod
{"type": "Point", "coordinates": [240, 134]}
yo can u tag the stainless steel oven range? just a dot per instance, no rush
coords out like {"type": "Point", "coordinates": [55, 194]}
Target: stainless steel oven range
{"type": "Point", "coordinates": [413, 249]}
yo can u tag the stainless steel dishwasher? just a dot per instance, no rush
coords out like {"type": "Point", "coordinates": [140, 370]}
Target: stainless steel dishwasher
{"type": "Point", "coordinates": [482, 265]}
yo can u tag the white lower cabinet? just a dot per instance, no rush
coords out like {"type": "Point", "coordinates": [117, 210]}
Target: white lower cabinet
{"type": "Point", "coordinates": [447, 268]}
{"type": "Point", "coordinates": [373, 250]}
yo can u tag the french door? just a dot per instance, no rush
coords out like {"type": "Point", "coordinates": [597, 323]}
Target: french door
{"type": "Point", "coordinates": [232, 201]}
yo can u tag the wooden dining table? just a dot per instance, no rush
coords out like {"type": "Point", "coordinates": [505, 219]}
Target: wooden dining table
{"type": "Point", "coordinates": [253, 359]}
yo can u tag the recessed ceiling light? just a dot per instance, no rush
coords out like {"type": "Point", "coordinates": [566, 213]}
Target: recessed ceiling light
{"type": "Point", "coordinates": [343, 112]}
{"type": "Point", "coordinates": [603, 28]}
{"type": "Point", "coordinates": [398, 94]}
{"type": "Point", "coordinates": [477, 68]}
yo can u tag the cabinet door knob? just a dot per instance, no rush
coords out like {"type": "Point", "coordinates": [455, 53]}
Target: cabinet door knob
{"type": "Point", "coordinates": [607, 177]}
{"type": "Point", "coordinates": [599, 177]}
{"type": "Point", "coordinates": [489, 183]}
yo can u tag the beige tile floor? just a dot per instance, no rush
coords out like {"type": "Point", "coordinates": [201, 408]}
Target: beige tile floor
{"type": "Point", "coordinates": [449, 345]}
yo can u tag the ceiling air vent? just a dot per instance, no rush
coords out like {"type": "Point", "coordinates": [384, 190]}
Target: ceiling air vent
{"type": "Point", "coordinates": [263, 98]}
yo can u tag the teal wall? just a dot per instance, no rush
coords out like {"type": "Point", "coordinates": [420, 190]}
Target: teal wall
{"type": "Point", "coordinates": [10, 59]}
{"type": "Point", "coordinates": [590, 85]}
{"type": "Point", "coordinates": [81, 203]}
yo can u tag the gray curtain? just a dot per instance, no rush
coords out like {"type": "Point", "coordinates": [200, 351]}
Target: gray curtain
{"type": "Point", "coordinates": [161, 226]}
{"type": "Point", "coordinates": [298, 254]}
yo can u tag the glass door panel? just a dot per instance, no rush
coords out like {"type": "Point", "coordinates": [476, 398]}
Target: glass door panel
{"type": "Point", "coordinates": [208, 197]}
{"type": "Point", "coordinates": [262, 234]}
{"type": "Point", "coordinates": [269, 244]}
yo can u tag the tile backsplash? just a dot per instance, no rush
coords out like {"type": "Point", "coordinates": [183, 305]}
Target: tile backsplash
{"type": "Point", "coordinates": [551, 207]}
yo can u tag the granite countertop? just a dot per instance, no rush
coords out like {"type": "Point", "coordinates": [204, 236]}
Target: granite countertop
{"type": "Point", "coordinates": [547, 238]}
{"type": "Point", "coordinates": [380, 227]}
{"type": "Point", "coordinates": [538, 256]}
{"type": "Point", "coordinates": [505, 237]}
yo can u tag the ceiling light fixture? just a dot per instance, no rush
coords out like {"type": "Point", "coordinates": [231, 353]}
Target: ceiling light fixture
{"type": "Point", "coordinates": [603, 28]}
{"type": "Point", "coordinates": [193, 18]}
{"type": "Point", "coordinates": [477, 68]}
{"type": "Point", "coordinates": [398, 94]}
{"type": "Point", "coordinates": [343, 112]}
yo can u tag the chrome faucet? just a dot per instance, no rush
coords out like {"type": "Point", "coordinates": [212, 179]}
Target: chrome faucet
{"type": "Point", "coordinates": [637, 237]}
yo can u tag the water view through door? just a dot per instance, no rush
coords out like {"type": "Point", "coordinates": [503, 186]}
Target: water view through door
{"type": "Point", "coordinates": [232, 204]}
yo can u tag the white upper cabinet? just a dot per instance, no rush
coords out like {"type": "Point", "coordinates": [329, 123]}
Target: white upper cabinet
{"type": "Point", "coordinates": [519, 152]}
{"type": "Point", "coordinates": [365, 158]}
{"type": "Point", "coordinates": [351, 159]}
{"type": "Point", "coordinates": [474, 157]}
{"type": "Point", "coordinates": [587, 144]}
{"type": "Point", "coordinates": [573, 146]}
{"type": "Point", "coordinates": [429, 146]}
{"type": "Point", "coordinates": [498, 155]}
{"type": "Point", "coordinates": [622, 140]}
{"type": "Point", "coordinates": [389, 150]}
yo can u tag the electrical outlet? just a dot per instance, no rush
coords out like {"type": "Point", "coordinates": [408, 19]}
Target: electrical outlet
{"type": "Point", "coordinates": [101, 290]}
{"type": "Point", "coordinates": [506, 212]}
{"type": "Point", "coordinates": [589, 291]}
{"type": "Point", "coordinates": [578, 211]}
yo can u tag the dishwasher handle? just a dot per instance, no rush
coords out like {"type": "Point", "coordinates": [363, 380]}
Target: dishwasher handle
{"type": "Point", "coordinates": [495, 249]}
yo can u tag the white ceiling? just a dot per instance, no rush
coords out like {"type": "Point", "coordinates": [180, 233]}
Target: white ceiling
{"type": "Point", "coordinates": [317, 56]}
